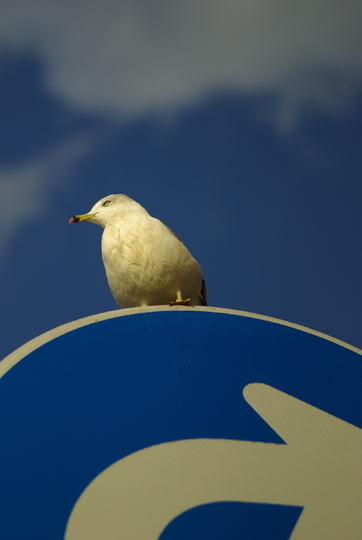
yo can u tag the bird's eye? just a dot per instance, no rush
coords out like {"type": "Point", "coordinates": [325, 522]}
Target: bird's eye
{"type": "Point", "coordinates": [106, 203]}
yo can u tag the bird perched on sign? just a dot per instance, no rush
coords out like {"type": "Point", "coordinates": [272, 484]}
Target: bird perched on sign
{"type": "Point", "coordinates": [145, 262]}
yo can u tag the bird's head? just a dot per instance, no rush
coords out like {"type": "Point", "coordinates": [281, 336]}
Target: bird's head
{"type": "Point", "coordinates": [105, 209]}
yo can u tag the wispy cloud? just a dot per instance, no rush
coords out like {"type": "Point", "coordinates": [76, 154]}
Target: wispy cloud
{"type": "Point", "coordinates": [26, 187]}
{"type": "Point", "coordinates": [128, 58]}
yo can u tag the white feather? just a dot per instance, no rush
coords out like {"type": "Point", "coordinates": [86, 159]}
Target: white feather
{"type": "Point", "coordinates": [145, 263]}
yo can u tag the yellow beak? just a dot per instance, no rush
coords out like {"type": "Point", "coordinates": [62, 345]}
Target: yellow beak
{"type": "Point", "coordinates": [81, 217]}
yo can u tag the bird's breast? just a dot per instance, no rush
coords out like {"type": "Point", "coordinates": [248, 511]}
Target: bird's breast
{"type": "Point", "coordinates": [119, 250]}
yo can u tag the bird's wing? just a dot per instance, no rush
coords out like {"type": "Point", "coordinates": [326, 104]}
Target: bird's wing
{"type": "Point", "coordinates": [203, 293]}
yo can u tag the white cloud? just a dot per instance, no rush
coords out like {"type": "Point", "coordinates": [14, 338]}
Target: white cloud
{"type": "Point", "coordinates": [26, 187]}
{"type": "Point", "coordinates": [128, 57]}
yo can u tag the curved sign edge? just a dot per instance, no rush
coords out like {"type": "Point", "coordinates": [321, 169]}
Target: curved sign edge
{"type": "Point", "coordinates": [13, 358]}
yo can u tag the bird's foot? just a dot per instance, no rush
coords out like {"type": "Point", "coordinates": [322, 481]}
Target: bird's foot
{"type": "Point", "coordinates": [179, 301]}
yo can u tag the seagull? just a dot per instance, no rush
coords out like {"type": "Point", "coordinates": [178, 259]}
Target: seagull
{"type": "Point", "coordinates": [146, 264]}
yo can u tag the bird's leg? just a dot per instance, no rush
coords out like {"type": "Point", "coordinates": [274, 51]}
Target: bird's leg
{"type": "Point", "coordinates": [179, 301]}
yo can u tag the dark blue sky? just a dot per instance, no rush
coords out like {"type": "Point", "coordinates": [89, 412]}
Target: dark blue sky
{"type": "Point", "coordinates": [272, 213]}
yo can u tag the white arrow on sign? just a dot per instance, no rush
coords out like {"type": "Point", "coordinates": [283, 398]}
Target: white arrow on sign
{"type": "Point", "coordinates": [320, 469]}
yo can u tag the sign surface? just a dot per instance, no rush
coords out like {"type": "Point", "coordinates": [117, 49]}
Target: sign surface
{"type": "Point", "coordinates": [181, 422]}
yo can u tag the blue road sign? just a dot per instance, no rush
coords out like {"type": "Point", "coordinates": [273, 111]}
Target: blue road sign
{"type": "Point", "coordinates": [181, 422]}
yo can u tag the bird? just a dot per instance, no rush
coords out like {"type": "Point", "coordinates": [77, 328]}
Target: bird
{"type": "Point", "coordinates": [146, 264]}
